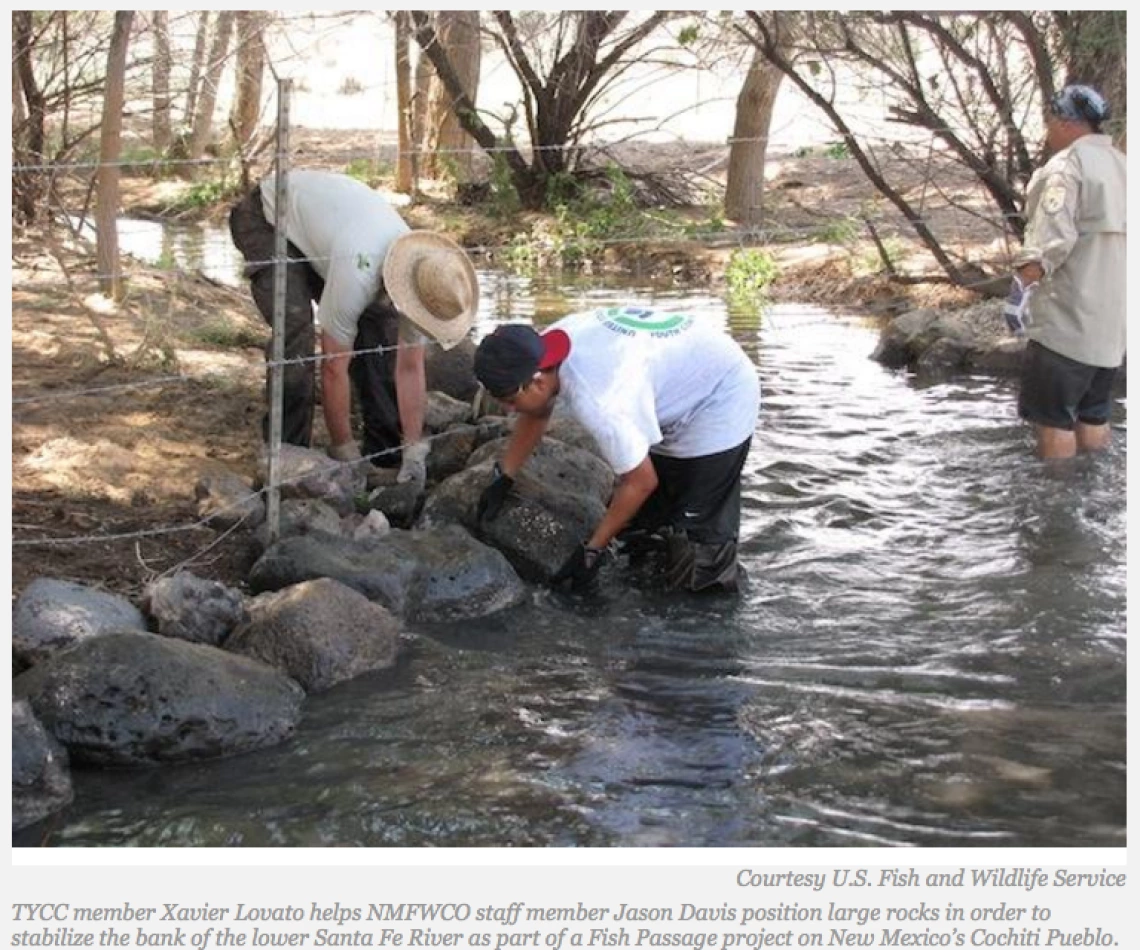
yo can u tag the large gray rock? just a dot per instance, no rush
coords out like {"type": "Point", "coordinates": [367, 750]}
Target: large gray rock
{"type": "Point", "coordinates": [191, 608]}
{"type": "Point", "coordinates": [557, 499]}
{"type": "Point", "coordinates": [300, 516]}
{"type": "Point", "coordinates": [450, 451]}
{"type": "Point", "coordinates": [564, 467]}
{"type": "Point", "coordinates": [129, 698]}
{"type": "Point", "coordinates": [399, 501]}
{"type": "Point", "coordinates": [939, 343]}
{"type": "Point", "coordinates": [935, 344]}
{"type": "Point", "coordinates": [52, 615]}
{"type": "Point", "coordinates": [225, 500]}
{"type": "Point", "coordinates": [565, 428]}
{"type": "Point", "coordinates": [41, 782]}
{"type": "Point", "coordinates": [441, 574]}
{"type": "Point", "coordinates": [537, 528]}
{"type": "Point", "coordinates": [309, 473]}
{"type": "Point", "coordinates": [319, 632]}
{"type": "Point", "coordinates": [452, 371]}
{"type": "Point", "coordinates": [443, 412]}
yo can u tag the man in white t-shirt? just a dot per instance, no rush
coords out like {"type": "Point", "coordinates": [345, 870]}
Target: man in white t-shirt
{"type": "Point", "coordinates": [376, 284]}
{"type": "Point", "coordinates": [672, 403]}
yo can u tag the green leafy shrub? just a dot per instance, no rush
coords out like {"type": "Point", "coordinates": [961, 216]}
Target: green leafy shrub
{"type": "Point", "coordinates": [206, 194]}
{"type": "Point", "coordinates": [371, 171]}
{"type": "Point", "coordinates": [224, 333]}
{"type": "Point", "coordinates": [749, 273]}
{"type": "Point", "coordinates": [590, 217]}
{"type": "Point", "coordinates": [870, 262]}
{"type": "Point", "coordinates": [504, 196]}
{"type": "Point", "coordinates": [843, 231]}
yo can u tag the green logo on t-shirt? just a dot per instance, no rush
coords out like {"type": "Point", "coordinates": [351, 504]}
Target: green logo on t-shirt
{"type": "Point", "coordinates": [631, 320]}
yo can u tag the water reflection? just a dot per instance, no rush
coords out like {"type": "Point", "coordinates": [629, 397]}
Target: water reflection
{"type": "Point", "coordinates": [930, 650]}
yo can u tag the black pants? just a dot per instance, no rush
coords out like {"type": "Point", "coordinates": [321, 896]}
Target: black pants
{"type": "Point", "coordinates": [372, 374]}
{"type": "Point", "coordinates": [697, 506]}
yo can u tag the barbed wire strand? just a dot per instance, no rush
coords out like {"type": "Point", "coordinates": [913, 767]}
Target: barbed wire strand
{"type": "Point", "coordinates": [755, 238]}
{"type": "Point", "coordinates": [917, 139]}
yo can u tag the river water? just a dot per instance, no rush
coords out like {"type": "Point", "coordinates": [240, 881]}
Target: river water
{"type": "Point", "coordinates": [929, 650]}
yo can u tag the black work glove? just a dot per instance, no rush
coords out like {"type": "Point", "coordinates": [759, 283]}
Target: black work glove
{"type": "Point", "coordinates": [581, 568]}
{"type": "Point", "coordinates": [491, 501]}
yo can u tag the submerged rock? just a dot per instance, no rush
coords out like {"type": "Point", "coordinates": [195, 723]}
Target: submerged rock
{"type": "Point", "coordinates": [130, 698]}
{"type": "Point", "coordinates": [41, 782]}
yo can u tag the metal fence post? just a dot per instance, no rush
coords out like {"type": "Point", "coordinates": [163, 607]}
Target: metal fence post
{"type": "Point", "coordinates": [280, 255]}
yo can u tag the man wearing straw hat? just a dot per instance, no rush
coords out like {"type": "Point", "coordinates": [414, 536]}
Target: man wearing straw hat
{"type": "Point", "coordinates": [382, 292]}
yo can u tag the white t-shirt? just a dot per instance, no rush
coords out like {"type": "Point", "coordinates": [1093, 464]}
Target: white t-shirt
{"type": "Point", "coordinates": [344, 228]}
{"type": "Point", "coordinates": [640, 378]}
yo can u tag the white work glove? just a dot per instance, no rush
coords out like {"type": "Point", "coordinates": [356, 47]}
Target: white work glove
{"type": "Point", "coordinates": [1015, 310]}
{"type": "Point", "coordinates": [413, 468]}
{"type": "Point", "coordinates": [345, 452]}
{"type": "Point", "coordinates": [350, 452]}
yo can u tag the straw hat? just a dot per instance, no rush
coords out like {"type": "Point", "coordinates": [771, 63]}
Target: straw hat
{"type": "Point", "coordinates": [432, 282]}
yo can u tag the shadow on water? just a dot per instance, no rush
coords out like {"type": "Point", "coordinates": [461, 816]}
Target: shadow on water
{"type": "Point", "coordinates": [930, 650]}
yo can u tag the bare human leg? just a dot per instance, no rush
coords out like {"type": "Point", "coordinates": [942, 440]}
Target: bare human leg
{"type": "Point", "coordinates": [1055, 443]}
{"type": "Point", "coordinates": [1092, 438]}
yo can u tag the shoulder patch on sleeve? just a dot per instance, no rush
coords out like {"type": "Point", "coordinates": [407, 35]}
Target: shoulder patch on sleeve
{"type": "Point", "coordinates": [1053, 197]}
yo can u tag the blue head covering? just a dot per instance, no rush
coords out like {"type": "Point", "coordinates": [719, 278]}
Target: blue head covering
{"type": "Point", "coordinates": [1077, 103]}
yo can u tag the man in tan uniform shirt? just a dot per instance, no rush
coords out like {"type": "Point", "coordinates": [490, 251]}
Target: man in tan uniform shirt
{"type": "Point", "coordinates": [1067, 293]}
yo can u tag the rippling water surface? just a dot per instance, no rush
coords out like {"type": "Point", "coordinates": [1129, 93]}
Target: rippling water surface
{"type": "Point", "coordinates": [930, 650]}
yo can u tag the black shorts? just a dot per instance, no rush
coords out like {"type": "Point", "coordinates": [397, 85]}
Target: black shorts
{"type": "Point", "coordinates": [1059, 392]}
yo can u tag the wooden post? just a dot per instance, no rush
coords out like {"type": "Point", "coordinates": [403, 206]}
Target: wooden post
{"type": "Point", "coordinates": [280, 258]}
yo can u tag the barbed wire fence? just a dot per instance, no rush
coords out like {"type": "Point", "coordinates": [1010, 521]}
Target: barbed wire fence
{"type": "Point", "coordinates": [275, 363]}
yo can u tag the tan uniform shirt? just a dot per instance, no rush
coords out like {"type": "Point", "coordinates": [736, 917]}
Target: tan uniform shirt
{"type": "Point", "coordinates": [344, 228]}
{"type": "Point", "coordinates": [1077, 233]}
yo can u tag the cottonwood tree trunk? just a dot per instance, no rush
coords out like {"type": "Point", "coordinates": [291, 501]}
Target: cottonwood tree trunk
{"type": "Point", "coordinates": [28, 146]}
{"type": "Point", "coordinates": [452, 148]}
{"type": "Point", "coordinates": [405, 158]}
{"type": "Point", "coordinates": [421, 97]}
{"type": "Point", "coordinates": [196, 62]}
{"type": "Point", "coordinates": [744, 191]}
{"type": "Point", "coordinates": [250, 71]}
{"type": "Point", "coordinates": [207, 99]}
{"type": "Point", "coordinates": [110, 142]}
{"type": "Point", "coordinates": [160, 82]}
{"type": "Point", "coordinates": [19, 110]}
{"type": "Point", "coordinates": [590, 51]}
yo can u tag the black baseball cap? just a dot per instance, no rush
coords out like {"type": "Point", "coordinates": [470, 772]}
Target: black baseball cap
{"type": "Point", "coordinates": [506, 360]}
